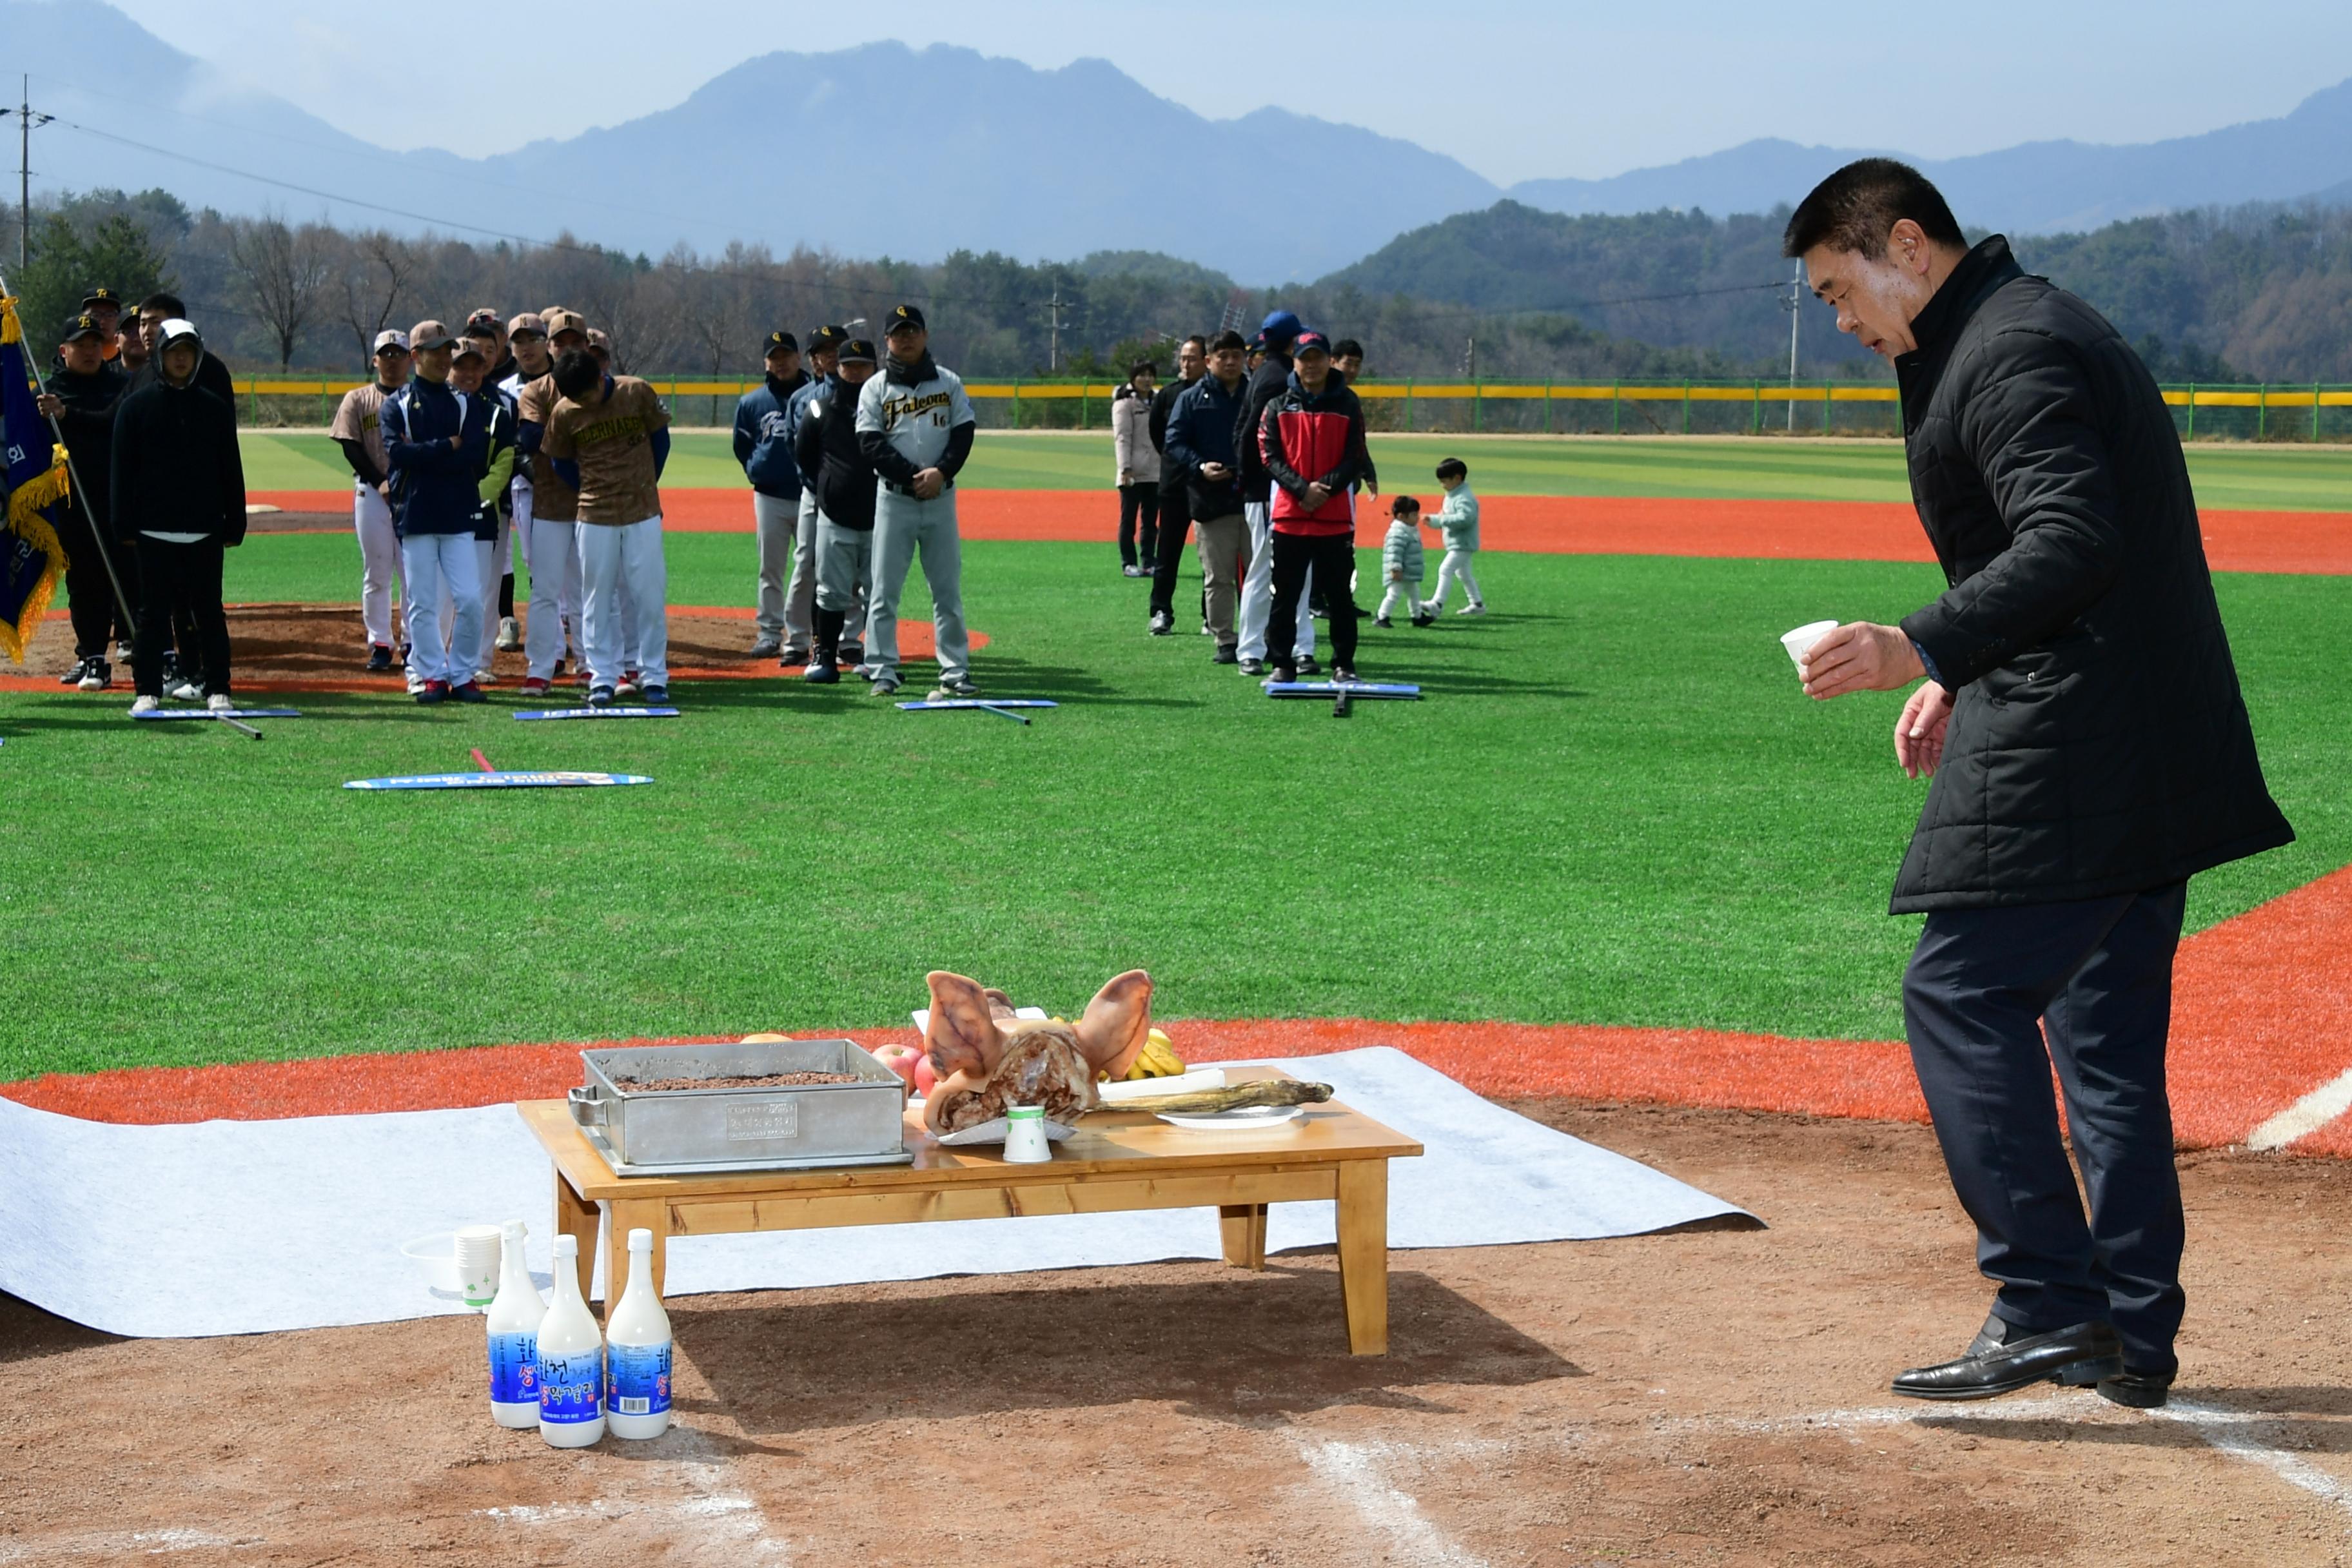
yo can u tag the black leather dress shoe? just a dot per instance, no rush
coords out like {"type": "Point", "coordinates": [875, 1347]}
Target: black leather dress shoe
{"type": "Point", "coordinates": [2003, 1359]}
{"type": "Point", "coordinates": [2140, 1390]}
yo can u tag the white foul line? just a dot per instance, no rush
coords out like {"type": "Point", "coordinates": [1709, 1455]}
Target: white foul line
{"type": "Point", "coordinates": [1352, 1469]}
{"type": "Point", "coordinates": [2305, 1116]}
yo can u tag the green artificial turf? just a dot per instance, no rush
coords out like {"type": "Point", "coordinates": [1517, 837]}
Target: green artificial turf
{"type": "Point", "coordinates": [1614, 807]}
{"type": "Point", "coordinates": [2260, 479]}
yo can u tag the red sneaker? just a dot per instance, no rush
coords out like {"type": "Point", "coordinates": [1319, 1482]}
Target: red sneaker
{"type": "Point", "coordinates": [469, 691]}
{"type": "Point", "coordinates": [432, 691]}
{"type": "Point", "coordinates": [533, 687]}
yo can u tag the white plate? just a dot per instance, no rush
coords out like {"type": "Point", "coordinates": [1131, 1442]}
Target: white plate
{"type": "Point", "coordinates": [1235, 1120]}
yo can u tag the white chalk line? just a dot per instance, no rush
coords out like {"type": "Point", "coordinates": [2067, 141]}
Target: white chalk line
{"type": "Point", "coordinates": [116, 1545]}
{"type": "Point", "coordinates": [2305, 1116]}
{"type": "Point", "coordinates": [1353, 1470]}
{"type": "Point", "coordinates": [718, 1518]}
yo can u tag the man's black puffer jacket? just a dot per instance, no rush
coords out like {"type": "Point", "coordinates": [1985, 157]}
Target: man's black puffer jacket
{"type": "Point", "coordinates": [2098, 743]}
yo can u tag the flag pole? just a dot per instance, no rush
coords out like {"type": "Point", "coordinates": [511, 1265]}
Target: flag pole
{"type": "Point", "coordinates": [73, 475]}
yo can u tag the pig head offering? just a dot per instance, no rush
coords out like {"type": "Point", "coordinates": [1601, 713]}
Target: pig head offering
{"type": "Point", "coordinates": [987, 1059]}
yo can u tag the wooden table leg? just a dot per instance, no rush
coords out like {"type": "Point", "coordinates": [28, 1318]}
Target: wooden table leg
{"type": "Point", "coordinates": [628, 1215]}
{"type": "Point", "coordinates": [576, 1219]}
{"type": "Point", "coordinates": [1244, 1225]}
{"type": "Point", "coordinates": [1363, 1221]}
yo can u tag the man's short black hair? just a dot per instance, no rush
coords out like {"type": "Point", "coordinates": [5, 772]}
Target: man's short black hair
{"type": "Point", "coordinates": [170, 304]}
{"type": "Point", "coordinates": [1347, 346]}
{"type": "Point", "coordinates": [1856, 209]}
{"type": "Point", "coordinates": [1228, 339]}
{"type": "Point", "coordinates": [1198, 341]}
{"type": "Point", "coordinates": [1452, 468]}
{"type": "Point", "coordinates": [576, 371]}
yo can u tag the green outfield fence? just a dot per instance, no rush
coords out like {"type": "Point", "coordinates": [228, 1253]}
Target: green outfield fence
{"type": "Point", "coordinates": [2239, 413]}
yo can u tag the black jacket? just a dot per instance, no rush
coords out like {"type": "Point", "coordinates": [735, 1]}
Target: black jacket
{"type": "Point", "coordinates": [2098, 743]}
{"type": "Point", "coordinates": [1266, 383]}
{"type": "Point", "coordinates": [437, 488]}
{"type": "Point", "coordinates": [831, 458]}
{"type": "Point", "coordinates": [1200, 430]}
{"type": "Point", "coordinates": [176, 466]}
{"type": "Point", "coordinates": [1155, 425]}
{"type": "Point", "coordinates": [88, 427]}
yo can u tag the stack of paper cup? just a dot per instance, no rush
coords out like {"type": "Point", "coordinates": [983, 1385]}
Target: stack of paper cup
{"type": "Point", "coordinates": [1024, 1136]}
{"type": "Point", "coordinates": [477, 1265]}
{"type": "Point", "coordinates": [1801, 642]}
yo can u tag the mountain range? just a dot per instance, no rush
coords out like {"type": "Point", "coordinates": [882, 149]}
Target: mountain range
{"type": "Point", "coordinates": [789, 150]}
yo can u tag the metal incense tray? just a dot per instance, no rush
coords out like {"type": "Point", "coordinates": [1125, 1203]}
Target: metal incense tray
{"type": "Point", "coordinates": [690, 1131]}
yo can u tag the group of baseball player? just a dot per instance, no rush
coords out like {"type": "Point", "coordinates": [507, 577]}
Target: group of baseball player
{"type": "Point", "coordinates": [1259, 446]}
{"type": "Point", "coordinates": [510, 439]}
{"type": "Point", "coordinates": [853, 463]}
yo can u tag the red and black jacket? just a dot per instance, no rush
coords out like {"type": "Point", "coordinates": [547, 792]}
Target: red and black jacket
{"type": "Point", "coordinates": [1305, 438]}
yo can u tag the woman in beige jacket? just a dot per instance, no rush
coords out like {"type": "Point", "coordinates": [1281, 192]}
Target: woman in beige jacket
{"type": "Point", "coordinates": [1139, 469]}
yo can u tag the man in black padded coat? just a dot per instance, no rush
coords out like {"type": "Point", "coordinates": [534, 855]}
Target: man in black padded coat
{"type": "Point", "coordinates": [2090, 753]}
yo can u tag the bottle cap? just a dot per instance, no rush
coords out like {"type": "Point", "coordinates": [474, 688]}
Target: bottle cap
{"type": "Point", "coordinates": [567, 1245]}
{"type": "Point", "coordinates": [641, 1240]}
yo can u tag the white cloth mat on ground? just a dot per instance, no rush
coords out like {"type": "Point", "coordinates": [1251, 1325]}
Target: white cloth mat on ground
{"type": "Point", "coordinates": [223, 1227]}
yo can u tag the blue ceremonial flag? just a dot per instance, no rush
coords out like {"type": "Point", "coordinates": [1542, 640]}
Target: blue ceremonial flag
{"type": "Point", "coordinates": [31, 559]}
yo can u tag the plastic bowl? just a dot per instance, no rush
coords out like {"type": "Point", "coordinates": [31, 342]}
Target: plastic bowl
{"type": "Point", "coordinates": [435, 1257]}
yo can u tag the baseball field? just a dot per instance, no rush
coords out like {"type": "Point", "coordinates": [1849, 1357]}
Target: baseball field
{"type": "Point", "coordinates": [1613, 872]}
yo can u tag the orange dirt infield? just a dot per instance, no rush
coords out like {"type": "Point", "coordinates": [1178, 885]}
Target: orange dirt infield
{"type": "Point", "coordinates": [2263, 1015]}
{"type": "Point", "coordinates": [320, 647]}
{"type": "Point", "coordinates": [2287, 541]}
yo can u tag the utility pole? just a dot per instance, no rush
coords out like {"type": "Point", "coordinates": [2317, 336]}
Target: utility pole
{"type": "Point", "coordinates": [1053, 344]}
{"type": "Point", "coordinates": [1470, 359]}
{"type": "Point", "coordinates": [25, 121]}
{"type": "Point", "coordinates": [1796, 300]}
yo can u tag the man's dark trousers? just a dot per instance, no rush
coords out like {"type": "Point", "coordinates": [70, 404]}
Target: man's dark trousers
{"type": "Point", "coordinates": [1175, 524]}
{"type": "Point", "coordinates": [2097, 976]}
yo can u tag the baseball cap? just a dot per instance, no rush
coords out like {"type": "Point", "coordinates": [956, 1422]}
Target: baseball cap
{"type": "Point", "coordinates": [429, 334]}
{"type": "Point", "coordinates": [857, 350]}
{"type": "Point", "coordinates": [827, 338]}
{"type": "Point", "coordinates": [391, 338]}
{"type": "Point", "coordinates": [598, 338]}
{"type": "Point", "coordinates": [81, 326]}
{"type": "Point", "coordinates": [905, 316]}
{"type": "Point", "coordinates": [177, 330]}
{"type": "Point", "coordinates": [1279, 327]}
{"type": "Point", "coordinates": [780, 338]}
{"type": "Point", "coordinates": [562, 320]}
{"type": "Point", "coordinates": [474, 347]}
{"type": "Point", "coordinates": [1308, 338]}
{"type": "Point", "coordinates": [101, 296]}
{"type": "Point", "coordinates": [528, 322]}
{"type": "Point", "coordinates": [484, 317]}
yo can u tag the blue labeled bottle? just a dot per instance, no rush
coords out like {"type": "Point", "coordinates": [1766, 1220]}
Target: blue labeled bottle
{"type": "Point", "coordinates": [571, 1360]}
{"type": "Point", "coordinates": [637, 1350]}
{"type": "Point", "coordinates": [514, 1320]}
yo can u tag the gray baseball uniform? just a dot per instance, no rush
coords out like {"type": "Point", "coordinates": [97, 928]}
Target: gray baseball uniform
{"type": "Point", "coordinates": [916, 411]}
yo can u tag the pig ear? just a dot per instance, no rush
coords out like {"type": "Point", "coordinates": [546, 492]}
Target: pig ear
{"type": "Point", "coordinates": [1117, 1023]}
{"type": "Point", "coordinates": [962, 1035]}
{"type": "Point", "coordinates": [1000, 1006]}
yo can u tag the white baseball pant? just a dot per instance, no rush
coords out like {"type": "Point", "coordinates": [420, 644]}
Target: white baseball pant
{"type": "Point", "coordinates": [618, 559]}
{"type": "Point", "coordinates": [902, 526]}
{"type": "Point", "coordinates": [438, 567]}
{"type": "Point", "coordinates": [553, 557]}
{"type": "Point", "coordinates": [379, 560]}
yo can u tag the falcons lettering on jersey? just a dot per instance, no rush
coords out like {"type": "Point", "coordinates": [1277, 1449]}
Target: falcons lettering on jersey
{"type": "Point", "coordinates": [911, 407]}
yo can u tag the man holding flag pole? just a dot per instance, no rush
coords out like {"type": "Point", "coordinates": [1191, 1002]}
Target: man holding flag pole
{"type": "Point", "coordinates": [41, 481]}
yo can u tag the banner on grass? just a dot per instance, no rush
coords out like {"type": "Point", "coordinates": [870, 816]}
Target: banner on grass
{"type": "Point", "coordinates": [31, 559]}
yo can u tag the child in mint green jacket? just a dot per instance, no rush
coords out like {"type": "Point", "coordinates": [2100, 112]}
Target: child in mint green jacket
{"type": "Point", "coordinates": [1402, 562]}
{"type": "Point", "coordinates": [1458, 519]}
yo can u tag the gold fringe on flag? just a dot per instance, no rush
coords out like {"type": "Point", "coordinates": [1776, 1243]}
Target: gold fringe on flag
{"type": "Point", "coordinates": [26, 505]}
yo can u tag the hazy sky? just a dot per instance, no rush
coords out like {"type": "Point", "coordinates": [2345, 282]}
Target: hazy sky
{"type": "Point", "coordinates": [1515, 89]}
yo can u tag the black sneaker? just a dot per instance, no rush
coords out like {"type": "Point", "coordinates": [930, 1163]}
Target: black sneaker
{"type": "Point", "coordinates": [170, 669]}
{"type": "Point", "coordinates": [1425, 620]}
{"type": "Point", "coordinates": [600, 696]}
{"type": "Point", "coordinates": [73, 676]}
{"type": "Point", "coordinates": [1224, 656]}
{"type": "Point", "coordinates": [1382, 621]}
{"type": "Point", "coordinates": [886, 684]}
{"type": "Point", "coordinates": [1132, 570]}
{"type": "Point", "coordinates": [1307, 665]}
{"type": "Point", "coordinates": [1163, 622]}
{"type": "Point", "coordinates": [821, 674]}
{"type": "Point", "coordinates": [1284, 674]}
{"type": "Point", "coordinates": [850, 656]}
{"type": "Point", "coordinates": [962, 687]}
{"type": "Point", "coordinates": [468, 691]}
{"type": "Point", "coordinates": [658, 696]}
{"type": "Point", "coordinates": [379, 659]}
{"type": "Point", "coordinates": [1342, 676]}
{"type": "Point", "coordinates": [432, 693]}
{"type": "Point", "coordinates": [1253, 667]}
{"type": "Point", "coordinates": [96, 675]}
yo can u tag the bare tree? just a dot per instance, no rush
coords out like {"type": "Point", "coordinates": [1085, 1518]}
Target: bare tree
{"type": "Point", "coordinates": [376, 272]}
{"type": "Point", "coordinates": [283, 273]}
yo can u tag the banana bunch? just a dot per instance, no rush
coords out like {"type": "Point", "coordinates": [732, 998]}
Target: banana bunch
{"type": "Point", "coordinates": [1157, 1059]}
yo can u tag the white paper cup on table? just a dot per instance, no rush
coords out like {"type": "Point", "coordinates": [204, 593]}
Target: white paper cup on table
{"type": "Point", "coordinates": [477, 1265]}
{"type": "Point", "coordinates": [1801, 642]}
{"type": "Point", "coordinates": [1024, 1136]}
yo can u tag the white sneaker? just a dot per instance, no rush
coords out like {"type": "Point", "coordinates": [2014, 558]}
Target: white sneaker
{"type": "Point", "coordinates": [145, 705]}
{"type": "Point", "coordinates": [509, 640]}
{"type": "Point", "coordinates": [220, 702]}
{"type": "Point", "coordinates": [187, 691]}
{"type": "Point", "coordinates": [766, 647]}
{"type": "Point", "coordinates": [484, 678]}
{"type": "Point", "coordinates": [1472, 608]}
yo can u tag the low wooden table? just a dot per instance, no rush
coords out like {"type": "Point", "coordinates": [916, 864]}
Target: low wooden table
{"type": "Point", "coordinates": [1115, 1161]}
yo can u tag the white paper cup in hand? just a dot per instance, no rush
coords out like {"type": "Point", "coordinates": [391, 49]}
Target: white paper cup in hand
{"type": "Point", "coordinates": [477, 1264]}
{"type": "Point", "coordinates": [1801, 642]}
